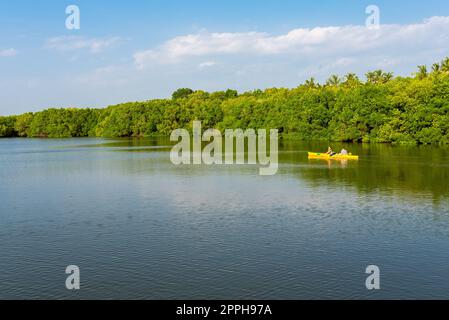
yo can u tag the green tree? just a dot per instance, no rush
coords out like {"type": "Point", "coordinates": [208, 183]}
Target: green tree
{"type": "Point", "coordinates": [351, 80]}
{"type": "Point", "coordinates": [445, 65]}
{"type": "Point", "coordinates": [311, 83]}
{"type": "Point", "coordinates": [436, 68]}
{"type": "Point", "coordinates": [422, 72]}
{"type": "Point", "coordinates": [333, 81]}
{"type": "Point", "coordinates": [402, 110]}
{"type": "Point", "coordinates": [182, 93]}
{"type": "Point", "coordinates": [23, 124]}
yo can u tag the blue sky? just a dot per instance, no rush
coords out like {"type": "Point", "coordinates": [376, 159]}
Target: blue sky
{"type": "Point", "coordinates": [128, 51]}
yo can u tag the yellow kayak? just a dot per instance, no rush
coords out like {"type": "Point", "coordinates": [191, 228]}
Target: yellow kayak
{"type": "Point", "coordinates": [325, 156]}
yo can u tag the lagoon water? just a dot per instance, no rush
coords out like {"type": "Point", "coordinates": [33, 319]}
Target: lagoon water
{"type": "Point", "coordinates": [141, 228]}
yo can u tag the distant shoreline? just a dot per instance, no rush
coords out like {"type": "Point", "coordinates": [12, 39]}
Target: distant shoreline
{"type": "Point", "coordinates": [383, 109]}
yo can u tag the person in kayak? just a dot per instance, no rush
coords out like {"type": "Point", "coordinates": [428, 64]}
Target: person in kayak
{"type": "Point", "coordinates": [344, 152]}
{"type": "Point", "coordinates": [330, 151]}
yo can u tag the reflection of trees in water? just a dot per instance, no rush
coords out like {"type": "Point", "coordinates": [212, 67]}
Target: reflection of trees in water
{"type": "Point", "coordinates": [131, 144]}
{"type": "Point", "coordinates": [408, 171]}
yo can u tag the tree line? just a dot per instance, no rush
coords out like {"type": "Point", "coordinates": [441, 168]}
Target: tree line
{"type": "Point", "coordinates": [382, 108]}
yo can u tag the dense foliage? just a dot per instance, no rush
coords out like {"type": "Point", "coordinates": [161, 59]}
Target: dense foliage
{"type": "Point", "coordinates": [381, 109]}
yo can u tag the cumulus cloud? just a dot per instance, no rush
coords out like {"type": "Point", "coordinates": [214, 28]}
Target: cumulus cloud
{"type": "Point", "coordinates": [340, 42]}
{"type": "Point", "coordinates": [242, 61]}
{"type": "Point", "coordinates": [75, 43]}
{"type": "Point", "coordinates": [11, 52]}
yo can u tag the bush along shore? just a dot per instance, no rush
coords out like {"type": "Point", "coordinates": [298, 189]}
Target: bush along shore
{"type": "Point", "coordinates": [382, 108]}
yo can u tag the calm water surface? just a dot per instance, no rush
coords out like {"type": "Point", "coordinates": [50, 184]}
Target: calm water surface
{"type": "Point", "coordinates": [139, 227]}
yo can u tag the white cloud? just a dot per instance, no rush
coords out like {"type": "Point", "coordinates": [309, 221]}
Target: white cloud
{"type": "Point", "coordinates": [242, 61]}
{"type": "Point", "coordinates": [75, 43]}
{"type": "Point", "coordinates": [342, 42]}
{"type": "Point", "coordinates": [207, 64]}
{"type": "Point", "coordinates": [11, 52]}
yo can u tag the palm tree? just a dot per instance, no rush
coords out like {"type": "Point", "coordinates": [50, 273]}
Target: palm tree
{"type": "Point", "coordinates": [422, 72]}
{"type": "Point", "coordinates": [436, 68]}
{"type": "Point", "coordinates": [445, 65]}
{"type": "Point", "coordinates": [333, 81]}
{"type": "Point", "coordinates": [374, 76]}
{"type": "Point", "coordinates": [311, 83]}
{"type": "Point", "coordinates": [379, 76]}
{"type": "Point", "coordinates": [370, 77]}
{"type": "Point", "coordinates": [387, 76]}
{"type": "Point", "coordinates": [351, 79]}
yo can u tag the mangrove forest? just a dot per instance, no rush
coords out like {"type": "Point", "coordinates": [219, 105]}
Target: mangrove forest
{"type": "Point", "coordinates": [380, 108]}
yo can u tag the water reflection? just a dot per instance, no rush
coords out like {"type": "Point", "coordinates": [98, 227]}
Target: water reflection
{"type": "Point", "coordinates": [143, 228]}
{"type": "Point", "coordinates": [407, 171]}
